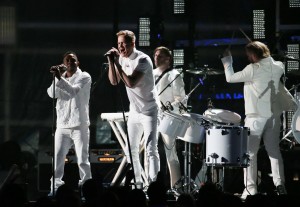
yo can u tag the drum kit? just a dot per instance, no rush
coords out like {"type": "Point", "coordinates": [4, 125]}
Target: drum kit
{"type": "Point", "coordinates": [225, 140]}
{"type": "Point", "coordinates": [218, 129]}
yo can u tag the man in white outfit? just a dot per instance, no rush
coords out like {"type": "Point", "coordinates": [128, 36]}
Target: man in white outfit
{"type": "Point", "coordinates": [261, 85]}
{"type": "Point", "coordinates": [135, 69]}
{"type": "Point", "coordinates": [72, 90]}
{"type": "Point", "coordinates": [170, 88]}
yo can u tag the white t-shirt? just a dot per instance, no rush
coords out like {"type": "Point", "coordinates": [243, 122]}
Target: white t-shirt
{"type": "Point", "coordinates": [143, 95]}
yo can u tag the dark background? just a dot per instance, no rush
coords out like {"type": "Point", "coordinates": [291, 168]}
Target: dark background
{"type": "Point", "coordinates": [45, 30]}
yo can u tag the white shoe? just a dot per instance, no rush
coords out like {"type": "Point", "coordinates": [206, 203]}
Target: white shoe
{"type": "Point", "coordinates": [248, 191]}
{"type": "Point", "coordinates": [281, 190]}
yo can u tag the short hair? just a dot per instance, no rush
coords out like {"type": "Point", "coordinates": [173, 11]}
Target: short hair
{"type": "Point", "coordinates": [129, 35]}
{"type": "Point", "coordinates": [69, 53]}
{"type": "Point", "coordinates": [164, 50]}
{"type": "Point", "coordinates": [258, 48]}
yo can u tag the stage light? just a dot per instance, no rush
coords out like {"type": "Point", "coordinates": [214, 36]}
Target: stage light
{"type": "Point", "coordinates": [144, 31]}
{"type": "Point", "coordinates": [178, 6]}
{"type": "Point", "coordinates": [292, 51]}
{"type": "Point", "coordinates": [259, 24]}
{"type": "Point", "coordinates": [178, 59]}
{"type": "Point", "coordinates": [7, 25]}
{"type": "Point", "coordinates": [294, 3]}
{"type": "Point", "coordinates": [106, 159]}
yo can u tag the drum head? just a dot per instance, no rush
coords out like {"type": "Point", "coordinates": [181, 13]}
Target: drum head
{"type": "Point", "coordinates": [222, 116]}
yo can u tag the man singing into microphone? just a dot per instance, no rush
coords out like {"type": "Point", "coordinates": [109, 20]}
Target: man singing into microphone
{"type": "Point", "coordinates": [72, 90]}
{"type": "Point", "coordinates": [135, 69]}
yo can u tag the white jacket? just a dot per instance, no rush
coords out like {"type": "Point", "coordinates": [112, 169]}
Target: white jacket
{"type": "Point", "coordinates": [261, 82]}
{"type": "Point", "coordinates": [72, 106]}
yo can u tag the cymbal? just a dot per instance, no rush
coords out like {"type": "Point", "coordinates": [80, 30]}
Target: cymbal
{"type": "Point", "coordinates": [205, 71]}
{"type": "Point", "coordinates": [284, 57]}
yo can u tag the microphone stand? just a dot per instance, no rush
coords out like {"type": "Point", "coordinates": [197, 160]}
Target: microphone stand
{"type": "Point", "coordinates": [283, 114]}
{"type": "Point", "coordinates": [53, 139]}
{"type": "Point", "coordinates": [125, 122]}
{"type": "Point", "coordinates": [200, 82]}
{"type": "Point", "coordinates": [95, 84]}
{"type": "Point", "coordinates": [170, 83]}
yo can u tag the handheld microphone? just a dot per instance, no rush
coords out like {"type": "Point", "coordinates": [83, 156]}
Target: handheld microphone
{"type": "Point", "coordinates": [60, 68]}
{"type": "Point", "coordinates": [108, 54]}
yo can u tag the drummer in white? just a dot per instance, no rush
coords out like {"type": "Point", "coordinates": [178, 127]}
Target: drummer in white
{"type": "Point", "coordinates": [171, 95]}
{"type": "Point", "coordinates": [262, 108]}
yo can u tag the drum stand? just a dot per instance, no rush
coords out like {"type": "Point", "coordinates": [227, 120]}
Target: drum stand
{"type": "Point", "coordinates": [187, 167]}
{"type": "Point", "coordinates": [188, 185]}
{"type": "Point", "coordinates": [216, 174]}
{"type": "Point", "coordinates": [292, 143]}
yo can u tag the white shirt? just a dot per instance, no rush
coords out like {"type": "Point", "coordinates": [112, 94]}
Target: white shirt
{"type": "Point", "coordinates": [261, 84]}
{"type": "Point", "coordinates": [174, 93]}
{"type": "Point", "coordinates": [143, 96]}
{"type": "Point", "coordinates": [73, 96]}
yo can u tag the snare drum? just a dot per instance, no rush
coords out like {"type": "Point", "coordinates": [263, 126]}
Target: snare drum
{"type": "Point", "coordinates": [195, 132]}
{"type": "Point", "coordinates": [223, 117]}
{"type": "Point", "coordinates": [173, 125]}
{"type": "Point", "coordinates": [227, 146]}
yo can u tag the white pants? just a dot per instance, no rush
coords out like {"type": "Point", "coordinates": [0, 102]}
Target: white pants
{"type": "Point", "coordinates": [64, 139]}
{"type": "Point", "coordinates": [143, 125]}
{"type": "Point", "coordinates": [269, 130]}
{"type": "Point", "coordinates": [172, 158]}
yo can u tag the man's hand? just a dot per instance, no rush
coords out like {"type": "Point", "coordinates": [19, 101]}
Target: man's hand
{"type": "Point", "coordinates": [227, 53]}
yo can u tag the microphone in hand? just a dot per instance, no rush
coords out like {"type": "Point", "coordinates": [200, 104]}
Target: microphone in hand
{"type": "Point", "coordinates": [58, 68]}
{"type": "Point", "coordinates": [108, 54]}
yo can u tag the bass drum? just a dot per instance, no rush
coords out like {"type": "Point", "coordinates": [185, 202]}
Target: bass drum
{"type": "Point", "coordinates": [222, 117]}
{"type": "Point", "coordinates": [227, 146]}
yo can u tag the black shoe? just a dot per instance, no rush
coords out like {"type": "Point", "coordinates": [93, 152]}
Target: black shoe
{"type": "Point", "coordinates": [281, 190]}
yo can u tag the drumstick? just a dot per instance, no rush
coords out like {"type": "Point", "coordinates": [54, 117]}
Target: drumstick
{"type": "Point", "coordinates": [245, 35]}
{"type": "Point", "coordinates": [229, 46]}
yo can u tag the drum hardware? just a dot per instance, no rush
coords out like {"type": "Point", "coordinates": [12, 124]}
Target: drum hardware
{"type": "Point", "coordinates": [195, 133]}
{"type": "Point", "coordinates": [163, 107]}
{"type": "Point", "coordinates": [210, 104]}
{"type": "Point", "coordinates": [182, 108]}
{"type": "Point", "coordinates": [295, 125]}
{"type": "Point", "coordinates": [185, 99]}
{"type": "Point", "coordinates": [169, 106]}
{"type": "Point", "coordinates": [188, 185]}
{"type": "Point", "coordinates": [205, 71]}
{"type": "Point", "coordinates": [169, 83]}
